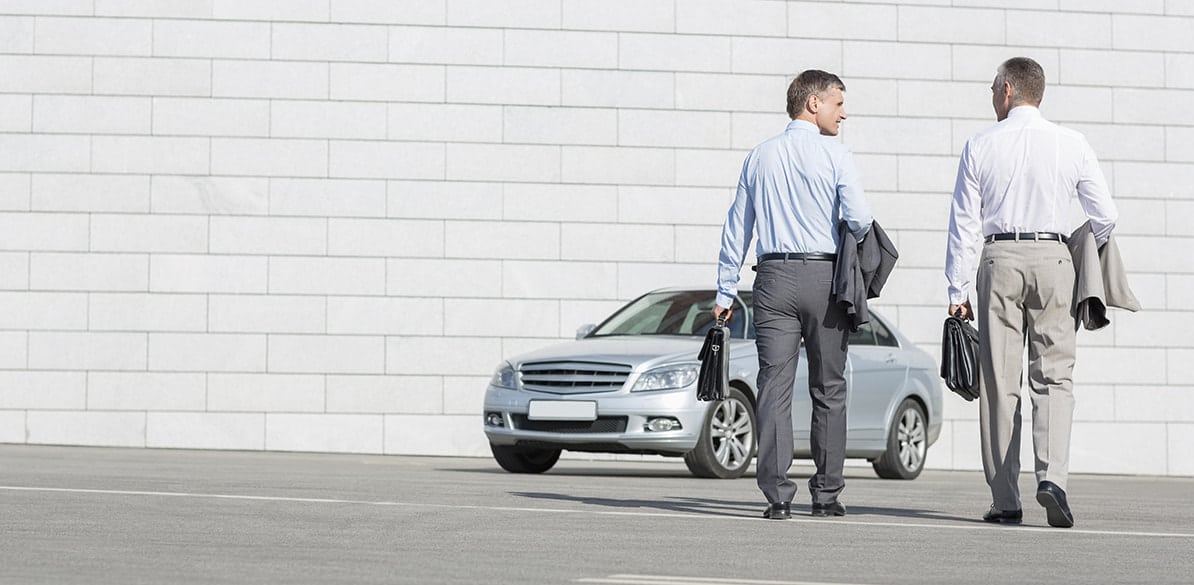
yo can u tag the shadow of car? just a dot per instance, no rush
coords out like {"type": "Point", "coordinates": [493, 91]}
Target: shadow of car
{"type": "Point", "coordinates": [628, 385]}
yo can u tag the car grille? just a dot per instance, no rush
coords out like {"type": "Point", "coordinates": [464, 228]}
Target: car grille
{"type": "Point", "coordinates": [573, 377]}
{"type": "Point", "coordinates": [603, 424]}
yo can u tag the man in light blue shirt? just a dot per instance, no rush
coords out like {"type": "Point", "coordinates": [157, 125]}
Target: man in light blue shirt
{"type": "Point", "coordinates": [794, 190]}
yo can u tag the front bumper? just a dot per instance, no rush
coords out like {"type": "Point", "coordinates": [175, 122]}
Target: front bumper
{"type": "Point", "coordinates": [635, 408]}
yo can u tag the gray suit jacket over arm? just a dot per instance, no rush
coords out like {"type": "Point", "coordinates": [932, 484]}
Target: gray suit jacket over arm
{"type": "Point", "coordinates": [1099, 282]}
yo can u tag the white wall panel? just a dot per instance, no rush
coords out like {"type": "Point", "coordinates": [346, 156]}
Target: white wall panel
{"type": "Point", "coordinates": [385, 394]}
{"type": "Point", "coordinates": [328, 42]}
{"type": "Point", "coordinates": [153, 77]}
{"type": "Point", "coordinates": [378, 82]}
{"type": "Point", "coordinates": [156, 8]}
{"type": "Point", "coordinates": [217, 39]}
{"type": "Point", "coordinates": [144, 154]}
{"type": "Point", "coordinates": [265, 393]}
{"type": "Point", "coordinates": [207, 430]}
{"type": "Point", "coordinates": [389, 11]}
{"type": "Point", "coordinates": [34, 390]}
{"type": "Point", "coordinates": [45, 74]}
{"type": "Point", "coordinates": [112, 429]}
{"type": "Point", "coordinates": [15, 191]}
{"type": "Point", "coordinates": [333, 433]}
{"type": "Point", "coordinates": [89, 272]}
{"type": "Point", "coordinates": [327, 276]}
{"type": "Point", "coordinates": [146, 312]}
{"type": "Point", "coordinates": [206, 352]}
{"type": "Point", "coordinates": [266, 314]}
{"type": "Point", "coordinates": [84, 192]}
{"type": "Point", "coordinates": [619, 15]}
{"type": "Point", "coordinates": [148, 391]}
{"type": "Point", "coordinates": [454, 46]}
{"type": "Point", "coordinates": [93, 36]}
{"type": "Point", "coordinates": [209, 195]}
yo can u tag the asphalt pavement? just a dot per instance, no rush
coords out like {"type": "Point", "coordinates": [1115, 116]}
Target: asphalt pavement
{"type": "Point", "coordinates": [97, 516]}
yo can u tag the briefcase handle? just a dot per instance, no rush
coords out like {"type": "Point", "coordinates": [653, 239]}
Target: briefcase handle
{"type": "Point", "coordinates": [721, 320]}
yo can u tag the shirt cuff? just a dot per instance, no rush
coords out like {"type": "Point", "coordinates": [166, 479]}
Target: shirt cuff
{"type": "Point", "coordinates": [724, 301]}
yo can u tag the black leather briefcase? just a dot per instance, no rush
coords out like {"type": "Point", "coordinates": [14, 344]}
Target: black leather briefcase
{"type": "Point", "coordinates": [959, 357]}
{"type": "Point", "coordinates": [714, 379]}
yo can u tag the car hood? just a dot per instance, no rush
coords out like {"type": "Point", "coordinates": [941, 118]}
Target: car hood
{"type": "Point", "coordinates": [640, 352]}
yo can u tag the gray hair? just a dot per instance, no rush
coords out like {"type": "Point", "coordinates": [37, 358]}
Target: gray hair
{"type": "Point", "coordinates": [1026, 77]}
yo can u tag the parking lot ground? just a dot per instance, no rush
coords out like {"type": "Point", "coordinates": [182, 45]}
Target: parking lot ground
{"type": "Point", "coordinates": [99, 515]}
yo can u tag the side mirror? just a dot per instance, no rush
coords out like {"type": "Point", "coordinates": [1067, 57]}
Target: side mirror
{"type": "Point", "coordinates": [584, 330]}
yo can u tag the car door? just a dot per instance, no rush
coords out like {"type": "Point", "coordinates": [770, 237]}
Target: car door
{"type": "Point", "coordinates": [875, 376]}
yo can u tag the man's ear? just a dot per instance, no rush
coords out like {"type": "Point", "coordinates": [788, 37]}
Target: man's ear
{"type": "Point", "coordinates": [813, 104]}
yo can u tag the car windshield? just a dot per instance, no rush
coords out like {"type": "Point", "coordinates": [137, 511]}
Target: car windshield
{"type": "Point", "coordinates": [669, 313]}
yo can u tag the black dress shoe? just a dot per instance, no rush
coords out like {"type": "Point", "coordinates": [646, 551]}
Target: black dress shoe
{"type": "Point", "coordinates": [1052, 497]}
{"type": "Point", "coordinates": [834, 509]}
{"type": "Point", "coordinates": [780, 511]}
{"type": "Point", "coordinates": [1004, 517]}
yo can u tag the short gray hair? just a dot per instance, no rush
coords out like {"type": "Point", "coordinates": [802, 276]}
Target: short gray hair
{"type": "Point", "coordinates": [1026, 77]}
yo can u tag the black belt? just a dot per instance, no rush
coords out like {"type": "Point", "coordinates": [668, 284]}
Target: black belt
{"type": "Point", "coordinates": [798, 256]}
{"type": "Point", "coordinates": [1026, 237]}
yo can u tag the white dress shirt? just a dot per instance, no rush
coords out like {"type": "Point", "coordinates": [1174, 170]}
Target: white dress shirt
{"type": "Point", "coordinates": [794, 189]}
{"type": "Point", "coordinates": [1020, 176]}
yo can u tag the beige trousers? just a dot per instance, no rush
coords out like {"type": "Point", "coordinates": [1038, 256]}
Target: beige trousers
{"type": "Point", "coordinates": [1025, 294]}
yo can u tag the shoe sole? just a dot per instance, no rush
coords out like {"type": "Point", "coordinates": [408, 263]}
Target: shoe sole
{"type": "Point", "coordinates": [825, 514]}
{"type": "Point", "coordinates": [1004, 521]}
{"type": "Point", "coordinates": [1058, 518]}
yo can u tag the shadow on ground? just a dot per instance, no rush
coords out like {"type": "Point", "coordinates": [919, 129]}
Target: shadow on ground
{"type": "Point", "coordinates": [734, 508]}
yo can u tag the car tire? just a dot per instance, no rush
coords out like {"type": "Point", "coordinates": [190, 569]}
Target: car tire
{"type": "Point", "coordinates": [907, 443]}
{"type": "Point", "coordinates": [727, 442]}
{"type": "Point", "coordinates": [523, 460]}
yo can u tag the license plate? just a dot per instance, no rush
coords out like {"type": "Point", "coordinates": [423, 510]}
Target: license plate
{"type": "Point", "coordinates": [562, 410]}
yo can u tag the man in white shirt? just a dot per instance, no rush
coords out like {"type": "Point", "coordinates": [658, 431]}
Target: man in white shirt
{"type": "Point", "coordinates": [1014, 187]}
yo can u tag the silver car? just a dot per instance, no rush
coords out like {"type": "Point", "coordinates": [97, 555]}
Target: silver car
{"type": "Point", "coordinates": [628, 385]}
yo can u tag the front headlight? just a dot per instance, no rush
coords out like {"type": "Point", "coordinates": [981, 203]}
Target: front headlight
{"type": "Point", "coordinates": [504, 377]}
{"type": "Point", "coordinates": [666, 378]}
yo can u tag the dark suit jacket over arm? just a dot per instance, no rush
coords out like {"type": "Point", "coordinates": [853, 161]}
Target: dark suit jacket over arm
{"type": "Point", "coordinates": [861, 270]}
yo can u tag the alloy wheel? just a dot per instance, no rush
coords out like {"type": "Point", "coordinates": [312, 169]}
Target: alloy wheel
{"type": "Point", "coordinates": [912, 438]}
{"type": "Point", "coordinates": [732, 433]}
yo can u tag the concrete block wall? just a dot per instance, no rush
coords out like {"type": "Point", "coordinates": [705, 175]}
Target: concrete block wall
{"type": "Point", "coordinates": [319, 224]}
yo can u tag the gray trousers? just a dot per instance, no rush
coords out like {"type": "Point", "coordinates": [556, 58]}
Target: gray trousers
{"type": "Point", "coordinates": [792, 302]}
{"type": "Point", "coordinates": [1025, 294]}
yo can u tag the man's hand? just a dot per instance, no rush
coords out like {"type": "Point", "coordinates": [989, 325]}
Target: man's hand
{"type": "Point", "coordinates": [720, 311]}
{"type": "Point", "coordinates": [966, 314]}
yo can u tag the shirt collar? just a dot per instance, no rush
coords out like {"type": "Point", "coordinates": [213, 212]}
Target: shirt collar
{"type": "Point", "coordinates": [1024, 111]}
{"type": "Point", "coordinates": [803, 125]}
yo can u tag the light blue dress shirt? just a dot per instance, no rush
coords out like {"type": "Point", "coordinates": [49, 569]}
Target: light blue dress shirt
{"type": "Point", "coordinates": [793, 191]}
